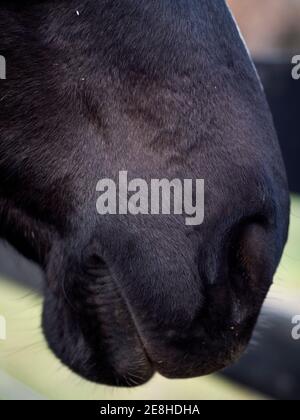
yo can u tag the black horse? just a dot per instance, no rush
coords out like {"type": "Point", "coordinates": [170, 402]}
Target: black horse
{"type": "Point", "coordinates": [162, 89]}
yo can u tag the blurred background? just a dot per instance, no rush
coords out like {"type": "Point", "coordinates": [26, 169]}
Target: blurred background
{"type": "Point", "coordinates": [271, 366]}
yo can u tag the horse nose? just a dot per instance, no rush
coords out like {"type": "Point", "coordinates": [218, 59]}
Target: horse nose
{"type": "Point", "coordinates": [227, 310]}
{"type": "Point", "coordinates": [245, 259]}
{"type": "Point", "coordinates": [252, 257]}
{"type": "Point", "coordinates": [240, 272]}
{"type": "Point", "coordinates": [243, 234]}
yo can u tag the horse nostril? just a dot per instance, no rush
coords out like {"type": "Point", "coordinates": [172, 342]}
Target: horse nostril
{"type": "Point", "coordinates": [251, 257]}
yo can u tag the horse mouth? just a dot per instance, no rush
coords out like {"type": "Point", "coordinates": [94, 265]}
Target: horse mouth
{"type": "Point", "coordinates": [104, 343]}
{"type": "Point", "coordinates": [97, 339]}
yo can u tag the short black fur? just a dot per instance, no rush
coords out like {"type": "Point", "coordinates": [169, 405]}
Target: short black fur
{"type": "Point", "coordinates": [162, 89]}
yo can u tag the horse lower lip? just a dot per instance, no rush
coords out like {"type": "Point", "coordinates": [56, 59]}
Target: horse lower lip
{"type": "Point", "coordinates": [120, 336]}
